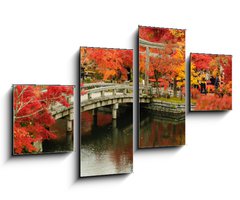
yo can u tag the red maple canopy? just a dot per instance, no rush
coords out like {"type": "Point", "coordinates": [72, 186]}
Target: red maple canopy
{"type": "Point", "coordinates": [166, 51]}
{"type": "Point", "coordinates": [32, 117]}
{"type": "Point", "coordinates": [110, 63]}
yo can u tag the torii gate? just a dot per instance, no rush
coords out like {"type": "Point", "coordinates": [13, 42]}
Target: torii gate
{"type": "Point", "coordinates": [148, 45]}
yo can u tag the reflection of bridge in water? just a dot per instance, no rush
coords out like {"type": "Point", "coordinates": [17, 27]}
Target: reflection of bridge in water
{"type": "Point", "coordinates": [106, 141]}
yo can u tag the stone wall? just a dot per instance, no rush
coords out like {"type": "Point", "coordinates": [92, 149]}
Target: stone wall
{"type": "Point", "coordinates": [174, 111]}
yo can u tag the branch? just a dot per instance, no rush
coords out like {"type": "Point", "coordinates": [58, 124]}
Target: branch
{"type": "Point", "coordinates": [18, 101]}
{"type": "Point", "coordinates": [22, 91]}
{"type": "Point", "coordinates": [53, 98]}
{"type": "Point", "coordinates": [29, 115]}
{"type": "Point", "coordinates": [23, 105]}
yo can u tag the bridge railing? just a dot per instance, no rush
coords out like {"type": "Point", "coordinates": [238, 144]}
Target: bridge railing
{"type": "Point", "coordinates": [107, 91]}
{"type": "Point", "coordinates": [95, 85]}
{"type": "Point", "coordinates": [57, 108]}
{"type": "Point", "coordinates": [150, 90]}
{"type": "Point", "coordinates": [145, 90]}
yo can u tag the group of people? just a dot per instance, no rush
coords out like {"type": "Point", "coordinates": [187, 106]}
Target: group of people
{"type": "Point", "coordinates": [205, 79]}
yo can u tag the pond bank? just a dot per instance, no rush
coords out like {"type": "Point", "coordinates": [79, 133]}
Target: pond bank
{"type": "Point", "coordinates": [168, 110]}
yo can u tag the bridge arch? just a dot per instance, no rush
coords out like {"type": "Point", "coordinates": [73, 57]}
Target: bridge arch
{"type": "Point", "coordinates": [109, 95]}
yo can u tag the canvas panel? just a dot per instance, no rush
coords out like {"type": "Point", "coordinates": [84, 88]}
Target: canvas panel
{"type": "Point", "coordinates": [161, 87]}
{"type": "Point", "coordinates": [106, 111]}
{"type": "Point", "coordinates": [42, 119]}
{"type": "Point", "coordinates": [211, 82]}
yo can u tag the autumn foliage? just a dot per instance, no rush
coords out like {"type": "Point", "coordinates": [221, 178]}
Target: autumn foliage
{"type": "Point", "coordinates": [106, 64]}
{"type": "Point", "coordinates": [211, 81]}
{"type": "Point", "coordinates": [31, 114]}
{"type": "Point", "coordinates": [165, 57]}
{"type": "Point", "coordinates": [162, 133]}
{"type": "Point", "coordinates": [214, 103]}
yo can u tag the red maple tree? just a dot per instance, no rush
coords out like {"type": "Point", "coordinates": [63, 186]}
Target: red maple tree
{"type": "Point", "coordinates": [215, 67]}
{"type": "Point", "coordinates": [161, 35]}
{"type": "Point", "coordinates": [166, 63]}
{"type": "Point", "coordinates": [110, 63]}
{"type": "Point", "coordinates": [201, 61]}
{"type": "Point", "coordinates": [31, 115]}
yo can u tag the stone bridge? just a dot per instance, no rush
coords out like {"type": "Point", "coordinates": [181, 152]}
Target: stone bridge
{"type": "Point", "coordinates": [107, 94]}
{"type": "Point", "coordinates": [59, 111]}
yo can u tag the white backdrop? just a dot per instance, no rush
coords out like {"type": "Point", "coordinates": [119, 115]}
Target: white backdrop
{"type": "Point", "coordinates": [39, 43]}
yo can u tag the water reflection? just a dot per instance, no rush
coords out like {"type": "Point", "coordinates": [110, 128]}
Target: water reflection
{"type": "Point", "coordinates": [106, 144]}
{"type": "Point", "coordinates": [156, 131]}
{"type": "Point", "coordinates": [64, 140]}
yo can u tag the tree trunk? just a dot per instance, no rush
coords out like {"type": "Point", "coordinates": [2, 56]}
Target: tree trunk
{"type": "Point", "coordinates": [181, 93]}
{"type": "Point", "coordinates": [156, 83]}
{"type": "Point", "coordinates": [174, 87]}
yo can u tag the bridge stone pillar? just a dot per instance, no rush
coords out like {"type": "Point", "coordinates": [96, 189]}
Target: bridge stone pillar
{"type": "Point", "coordinates": [94, 111]}
{"type": "Point", "coordinates": [114, 111]}
{"type": "Point", "coordinates": [69, 125]}
{"type": "Point", "coordinates": [114, 124]}
{"type": "Point", "coordinates": [38, 145]}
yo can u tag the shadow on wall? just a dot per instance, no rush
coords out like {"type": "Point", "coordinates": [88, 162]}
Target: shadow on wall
{"type": "Point", "coordinates": [76, 69]}
{"type": "Point", "coordinates": [136, 113]}
{"type": "Point", "coordinates": [10, 124]}
{"type": "Point", "coordinates": [187, 86]}
{"type": "Point", "coordinates": [98, 179]}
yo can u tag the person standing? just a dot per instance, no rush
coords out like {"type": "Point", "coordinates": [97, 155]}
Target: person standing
{"type": "Point", "coordinates": [203, 83]}
{"type": "Point", "coordinates": [216, 84]}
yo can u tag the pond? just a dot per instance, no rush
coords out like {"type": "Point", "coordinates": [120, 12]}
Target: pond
{"type": "Point", "coordinates": [64, 140]}
{"type": "Point", "coordinates": [159, 131]}
{"type": "Point", "coordinates": [106, 143]}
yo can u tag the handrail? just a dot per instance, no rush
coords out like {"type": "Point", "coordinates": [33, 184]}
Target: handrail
{"type": "Point", "coordinates": [116, 87]}
{"type": "Point", "coordinates": [102, 84]}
